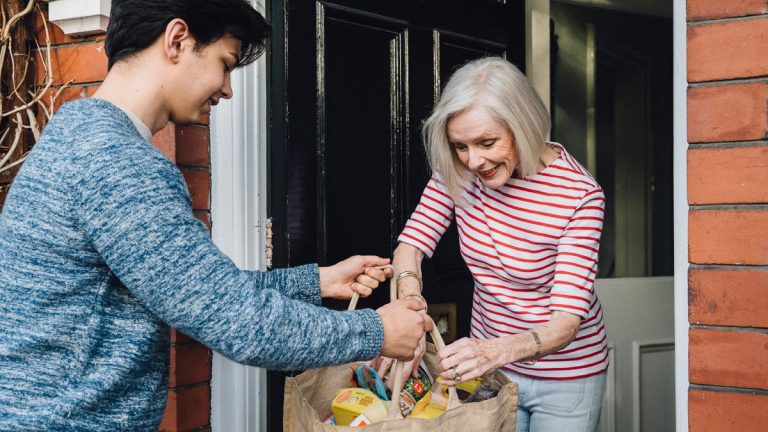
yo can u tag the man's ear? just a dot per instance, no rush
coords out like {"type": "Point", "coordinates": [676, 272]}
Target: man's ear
{"type": "Point", "coordinates": [176, 39]}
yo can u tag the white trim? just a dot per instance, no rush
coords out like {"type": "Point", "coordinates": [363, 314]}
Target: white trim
{"type": "Point", "coordinates": [80, 17]}
{"type": "Point", "coordinates": [608, 413]}
{"type": "Point", "coordinates": [238, 212]}
{"type": "Point", "coordinates": [680, 199]}
{"type": "Point", "coordinates": [537, 47]}
{"type": "Point", "coordinates": [637, 352]}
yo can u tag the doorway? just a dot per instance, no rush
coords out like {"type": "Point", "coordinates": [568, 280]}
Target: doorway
{"type": "Point", "coordinates": [350, 83]}
{"type": "Point", "coordinates": [611, 91]}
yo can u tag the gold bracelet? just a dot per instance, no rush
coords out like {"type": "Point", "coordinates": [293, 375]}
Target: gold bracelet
{"type": "Point", "coordinates": [409, 273]}
{"type": "Point", "coordinates": [535, 357]}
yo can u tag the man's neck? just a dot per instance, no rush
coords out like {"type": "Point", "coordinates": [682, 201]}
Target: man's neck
{"type": "Point", "coordinates": [137, 93]}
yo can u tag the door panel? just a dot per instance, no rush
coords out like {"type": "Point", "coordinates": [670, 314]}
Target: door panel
{"type": "Point", "coordinates": [639, 318]}
{"type": "Point", "coordinates": [360, 135]}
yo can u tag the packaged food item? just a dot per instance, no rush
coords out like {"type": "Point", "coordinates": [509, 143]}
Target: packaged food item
{"type": "Point", "coordinates": [466, 388]}
{"type": "Point", "coordinates": [420, 405]}
{"type": "Point", "coordinates": [489, 389]}
{"type": "Point", "coordinates": [331, 419]}
{"type": "Point", "coordinates": [429, 412]}
{"type": "Point", "coordinates": [413, 391]}
{"type": "Point", "coordinates": [349, 403]}
{"type": "Point", "coordinates": [367, 378]}
{"type": "Point", "coordinates": [360, 421]}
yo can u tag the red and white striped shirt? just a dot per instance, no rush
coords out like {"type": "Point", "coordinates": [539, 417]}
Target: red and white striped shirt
{"type": "Point", "coordinates": [531, 246]}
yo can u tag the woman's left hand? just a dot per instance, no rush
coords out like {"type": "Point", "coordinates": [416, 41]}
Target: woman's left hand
{"type": "Point", "coordinates": [469, 358]}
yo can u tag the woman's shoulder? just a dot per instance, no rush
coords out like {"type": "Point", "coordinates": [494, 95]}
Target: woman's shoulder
{"type": "Point", "coordinates": [569, 171]}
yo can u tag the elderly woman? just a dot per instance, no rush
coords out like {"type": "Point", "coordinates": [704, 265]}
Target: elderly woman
{"type": "Point", "coordinates": [529, 218]}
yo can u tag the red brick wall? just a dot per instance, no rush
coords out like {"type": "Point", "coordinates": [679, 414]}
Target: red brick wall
{"type": "Point", "coordinates": [82, 60]}
{"type": "Point", "coordinates": [728, 219]}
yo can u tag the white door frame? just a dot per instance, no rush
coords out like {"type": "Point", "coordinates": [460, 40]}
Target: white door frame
{"type": "Point", "coordinates": [680, 202]}
{"type": "Point", "coordinates": [238, 213]}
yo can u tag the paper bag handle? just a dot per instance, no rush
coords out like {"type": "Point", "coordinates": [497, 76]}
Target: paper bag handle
{"type": "Point", "coordinates": [397, 385]}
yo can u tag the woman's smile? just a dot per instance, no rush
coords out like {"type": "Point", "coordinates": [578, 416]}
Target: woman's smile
{"type": "Point", "coordinates": [488, 174]}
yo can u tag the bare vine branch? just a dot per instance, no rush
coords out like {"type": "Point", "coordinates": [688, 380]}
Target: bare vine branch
{"type": "Point", "coordinates": [23, 109]}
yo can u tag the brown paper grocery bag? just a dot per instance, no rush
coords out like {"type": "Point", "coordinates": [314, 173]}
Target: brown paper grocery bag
{"type": "Point", "coordinates": [308, 399]}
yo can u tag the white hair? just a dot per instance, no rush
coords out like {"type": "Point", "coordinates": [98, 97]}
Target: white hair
{"type": "Point", "coordinates": [506, 93]}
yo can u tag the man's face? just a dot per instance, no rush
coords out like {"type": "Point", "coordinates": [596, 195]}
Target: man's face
{"type": "Point", "coordinates": [204, 79]}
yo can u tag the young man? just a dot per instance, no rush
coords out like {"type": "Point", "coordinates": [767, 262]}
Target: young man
{"type": "Point", "coordinates": [100, 252]}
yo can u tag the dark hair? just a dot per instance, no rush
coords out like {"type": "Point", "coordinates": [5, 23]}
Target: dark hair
{"type": "Point", "coordinates": [135, 24]}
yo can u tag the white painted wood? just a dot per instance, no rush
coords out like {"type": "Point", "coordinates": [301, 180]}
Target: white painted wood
{"type": "Point", "coordinates": [608, 414]}
{"type": "Point", "coordinates": [80, 17]}
{"type": "Point", "coordinates": [680, 199]}
{"type": "Point", "coordinates": [537, 62]}
{"type": "Point", "coordinates": [639, 315]}
{"type": "Point", "coordinates": [238, 213]}
{"type": "Point", "coordinates": [653, 389]}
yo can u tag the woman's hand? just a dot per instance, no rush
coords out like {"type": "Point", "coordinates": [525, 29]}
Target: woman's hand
{"type": "Point", "coordinates": [411, 368]}
{"type": "Point", "coordinates": [469, 358]}
{"type": "Point", "coordinates": [353, 275]}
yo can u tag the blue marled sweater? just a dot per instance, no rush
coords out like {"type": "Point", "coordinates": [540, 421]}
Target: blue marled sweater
{"type": "Point", "coordinates": [100, 252]}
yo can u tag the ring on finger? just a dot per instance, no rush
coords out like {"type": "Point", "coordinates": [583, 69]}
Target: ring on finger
{"type": "Point", "coordinates": [455, 375]}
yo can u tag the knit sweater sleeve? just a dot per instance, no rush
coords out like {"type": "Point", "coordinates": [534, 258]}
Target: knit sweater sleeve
{"type": "Point", "coordinates": [135, 208]}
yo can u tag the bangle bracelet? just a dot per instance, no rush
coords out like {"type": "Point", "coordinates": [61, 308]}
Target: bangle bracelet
{"type": "Point", "coordinates": [535, 357]}
{"type": "Point", "coordinates": [409, 273]}
{"type": "Point", "coordinates": [421, 297]}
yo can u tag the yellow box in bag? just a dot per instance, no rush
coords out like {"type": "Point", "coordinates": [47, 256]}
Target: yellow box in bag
{"type": "Point", "coordinates": [351, 402]}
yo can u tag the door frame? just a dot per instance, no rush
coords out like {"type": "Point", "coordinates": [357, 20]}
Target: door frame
{"type": "Point", "coordinates": [238, 149]}
{"type": "Point", "coordinates": [680, 203]}
{"type": "Point", "coordinates": [239, 191]}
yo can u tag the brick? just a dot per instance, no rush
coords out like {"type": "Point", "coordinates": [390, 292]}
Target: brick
{"type": "Point", "coordinates": [728, 50]}
{"type": "Point", "coordinates": [77, 63]}
{"type": "Point", "coordinates": [192, 146]}
{"type": "Point", "coordinates": [165, 140]}
{"type": "Point", "coordinates": [728, 358]}
{"type": "Point", "coordinates": [178, 337]}
{"type": "Point", "coordinates": [710, 411]}
{"type": "Point", "coordinates": [728, 297]}
{"type": "Point", "coordinates": [698, 10]}
{"type": "Point", "coordinates": [186, 409]}
{"type": "Point", "coordinates": [199, 183]}
{"type": "Point", "coordinates": [190, 364]}
{"type": "Point", "coordinates": [735, 112]}
{"type": "Point", "coordinates": [204, 216]}
{"type": "Point", "coordinates": [733, 236]}
{"type": "Point", "coordinates": [55, 34]}
{"type": "Point", "coordinates": [728, 175]}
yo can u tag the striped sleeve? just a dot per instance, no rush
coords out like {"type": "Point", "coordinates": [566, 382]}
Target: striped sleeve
{"type": "Point", "coordinates": [577, 250]}
{"type": "Point", "coordinates": [430, 219]}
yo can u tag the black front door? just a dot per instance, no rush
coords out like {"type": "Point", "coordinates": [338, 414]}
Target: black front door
{"type": "Point", "coordinates": [350, 83]}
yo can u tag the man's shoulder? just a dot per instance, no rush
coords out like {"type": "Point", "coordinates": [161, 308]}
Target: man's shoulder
{"type": "Point", "coordinates": [90, 119]}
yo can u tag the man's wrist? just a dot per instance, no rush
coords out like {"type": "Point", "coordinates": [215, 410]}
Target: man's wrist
{"type": "Point", "coordinates": [323, 283]}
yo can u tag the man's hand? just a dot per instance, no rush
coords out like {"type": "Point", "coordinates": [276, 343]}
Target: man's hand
{"type": "Point", "coordinates": [354, 274]}
{"type": "Point", "coordinates": [404, 327]}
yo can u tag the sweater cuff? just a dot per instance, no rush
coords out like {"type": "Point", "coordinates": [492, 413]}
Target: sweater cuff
{"type": "Point", "coordinates": [303, 283]}
{"type": "Point", "coordinates": [373, 334]}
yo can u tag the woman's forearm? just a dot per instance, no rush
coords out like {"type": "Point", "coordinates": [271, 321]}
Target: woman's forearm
{"type": "Point", "coordinates": [408, 258]}
{"type": "Point", "coordinates": [554, 336]}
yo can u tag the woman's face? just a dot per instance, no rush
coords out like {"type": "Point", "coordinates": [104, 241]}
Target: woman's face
{"type": "Point", "coordinates": [484, 145]}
